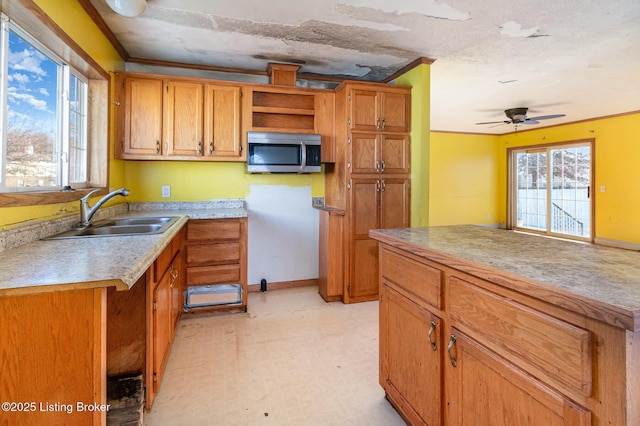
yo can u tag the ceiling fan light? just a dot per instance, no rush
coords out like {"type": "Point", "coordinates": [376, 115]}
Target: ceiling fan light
{"type": "Point", "coordinates": [128, 8]}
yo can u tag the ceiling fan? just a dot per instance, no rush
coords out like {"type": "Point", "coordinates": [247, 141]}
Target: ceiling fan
{"type": "Point", "coordinates": [519, 116]}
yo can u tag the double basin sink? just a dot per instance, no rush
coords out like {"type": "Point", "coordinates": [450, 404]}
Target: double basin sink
{"type": "Point", "coordinates": [121, 227]}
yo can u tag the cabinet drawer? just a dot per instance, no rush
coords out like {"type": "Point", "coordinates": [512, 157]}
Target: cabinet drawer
{"type": "Point", "coordinates": [213, 230]}
{"type": "Point", "coordinates": [213, 253]}
{"type": "Point", "coordinates": [222, 274]}
{"type": "Point", "coordinates": [413, 277]}
{"type": "Point", "coordinates": [162, 262]}
{"type": "Point", "coordinates": [543, 345]}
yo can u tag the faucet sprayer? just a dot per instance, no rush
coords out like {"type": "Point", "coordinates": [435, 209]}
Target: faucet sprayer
{"type": "Point", "coordinates": [86, 212]}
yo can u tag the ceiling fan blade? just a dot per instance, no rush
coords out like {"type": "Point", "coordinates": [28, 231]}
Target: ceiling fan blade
{"type": "Point", "coordinates": [501, 124]}
{"type": "Point", "coordinates": [546, 117]}
{"type": "Point", "coordinates": [496, 122]}
{"type": "Point", "coordinates": [529, 121]}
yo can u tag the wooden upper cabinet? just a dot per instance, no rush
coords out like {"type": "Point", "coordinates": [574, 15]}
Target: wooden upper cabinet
{"type": "Point", "coordinates": [183, 117]}
{"type": "Point", "coordinates": [142, 130]}
{"type": "Point", "coordinates": [222, 122]}
{"type": "Point", "coordinates": [382, 110]}
{"type": "Point", "coordinates": [177, 119]}
{"type": "Point", "coordinates": [394, 112]}
{"type": "Point", "coordinates": [365, 113]}
{"type": "Point", "coordinates": [379, 153]}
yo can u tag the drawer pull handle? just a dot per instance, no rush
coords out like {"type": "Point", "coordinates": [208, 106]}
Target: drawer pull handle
{"type": "Point", "coordinates": [452, 340]}
{"type": "Point", "coordinates": [431, 330]}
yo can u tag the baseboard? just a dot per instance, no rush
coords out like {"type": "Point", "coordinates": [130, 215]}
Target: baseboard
{"type": "Point", "coordinates": [254, 288]}
{"type": "Point", "coordinates": [617, 243]}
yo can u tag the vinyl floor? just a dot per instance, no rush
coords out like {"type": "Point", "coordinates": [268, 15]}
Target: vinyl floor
{"type": "Point", "coordinates": [292, 359]}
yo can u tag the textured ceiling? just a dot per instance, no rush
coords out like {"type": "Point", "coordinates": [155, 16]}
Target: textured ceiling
{"type": "Point", "coordinates": [575, 57]}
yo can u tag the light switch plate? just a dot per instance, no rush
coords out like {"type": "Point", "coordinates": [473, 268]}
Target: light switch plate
{"type": "Point", "coordinates": [166, 191]}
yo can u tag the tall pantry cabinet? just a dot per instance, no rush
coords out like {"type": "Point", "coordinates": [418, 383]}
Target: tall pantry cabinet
{"type": "Point", "coordinates": [370, 177]}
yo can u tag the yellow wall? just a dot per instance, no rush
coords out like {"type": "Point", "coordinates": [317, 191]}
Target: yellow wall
{"type": "Point", "coordinates": [72, 18]}
{"type": "Point", "coordinates": [469, 174]}
{"type": "Point", "coordinates": [419, 78]}
{"type": "Point", "coordinates": [463, 179]}
{"type": "Point", "coordinates": [201, 181]}
{"type": "Point", "coordinates": [617, 160]}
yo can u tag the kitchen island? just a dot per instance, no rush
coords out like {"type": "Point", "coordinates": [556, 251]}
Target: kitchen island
{"type": "Point", "coordinates": [487, 326]}
{"type": "Point", "coordinates": [75, 311]}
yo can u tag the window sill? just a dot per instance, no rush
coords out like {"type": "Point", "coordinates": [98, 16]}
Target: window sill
{"type": "Point", "coordinates": [21, 199]}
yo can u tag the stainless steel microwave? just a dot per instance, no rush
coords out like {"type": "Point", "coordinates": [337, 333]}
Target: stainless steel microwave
{"type": "Point", "coordinates": [272, 152]}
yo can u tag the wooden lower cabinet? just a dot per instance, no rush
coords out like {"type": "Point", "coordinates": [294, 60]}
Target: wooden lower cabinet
{"type": "Point", "coordinates": [52, 351]}
{"type": "Point", "coordinates": [374, 203]}
{"type": "Point", "coordinates": [411, 357]}
{"type": "Point", "coordinates": [484, 388]}
{"type": "Point", "coordinates": [164, 305]}
{"type": "Point", "coordinates": [216, 253]}
{"type": "Point", "coordinates": [330, 254]}
{"type": "Point", "coordinates": [456, 349]}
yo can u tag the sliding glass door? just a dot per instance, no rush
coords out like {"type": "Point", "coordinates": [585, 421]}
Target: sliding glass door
{"type": "Point", "coordinates": [551, 190]}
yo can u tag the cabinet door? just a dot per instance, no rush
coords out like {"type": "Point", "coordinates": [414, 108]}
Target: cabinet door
{"type": "Point", "coordinates": [177, 287]}
{"type": "Point", "coordinates": [161, 327]}
{"type": "Point", "coordinates": [364, 153]}
{"type": "Point", "coordinates": [363, 279]}
{"type": "Point", "coordinates": [410, 356]}
{"type": "Point", "coordinates": [394, 203]}
{"type": "Point", "coordinates": [394, 154]}
{"type": "Point", "coordinates": [483, 388]}
{"type": "Point", "coordinates": [364, 113]}
{"type": "Point", "coordinates": [143, 117]}
{"type": "Point", "coordinates": [183, 118]}
{"type": "Point", "coordinates": [394, 112]}
{"type": "Point", "coordinates": [222, 122]}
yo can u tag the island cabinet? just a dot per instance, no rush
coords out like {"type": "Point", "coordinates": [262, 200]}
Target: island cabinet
{"type": "Point", "coordinates": [459, 349]}
{"type": "Point", "coordinates": [370, 179]}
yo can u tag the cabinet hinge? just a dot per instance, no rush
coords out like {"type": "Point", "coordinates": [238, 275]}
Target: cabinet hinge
{"type": "Point", "coordinates": [349, 288]}
{"type": "Point", "coordinates": [155, 377]}
{"type": "Point", "coordinates": [155, 306]}
{"type": "Point", "coordinates": [349, 97]}
{"type": "Point", "coordinates": [167, 88]}
{"type": "Point", "coordinates": [348, 186]}
{"type": "Point", "coordinates": [349, 141]}
{"type": "Point", "coordinates": [349, 121]}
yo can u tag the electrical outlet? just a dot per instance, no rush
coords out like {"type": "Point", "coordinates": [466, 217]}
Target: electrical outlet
{"type": "Point", "coordinates": [166, 191]}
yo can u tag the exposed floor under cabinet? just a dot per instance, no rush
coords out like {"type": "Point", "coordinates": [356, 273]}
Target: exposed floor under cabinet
{"type": "Point", "coordinates": [292, 359]}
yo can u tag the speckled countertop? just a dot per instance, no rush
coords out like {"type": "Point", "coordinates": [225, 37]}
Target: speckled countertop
{"type": "Point", "coordinates": [52, 265]}
{"type": "Point", "coordinates": [601, 282]}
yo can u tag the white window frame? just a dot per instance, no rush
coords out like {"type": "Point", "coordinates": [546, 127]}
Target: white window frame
{"type": "Point", "coordinates": [512, 188]}
{"type": "Point", "coordinates": [63, 112]}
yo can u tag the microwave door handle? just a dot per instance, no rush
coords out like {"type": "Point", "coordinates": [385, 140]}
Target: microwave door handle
{"type": "Point", "coordinates": [303, 156]}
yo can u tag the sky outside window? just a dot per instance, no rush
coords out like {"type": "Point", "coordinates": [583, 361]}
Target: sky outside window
{"type": "Point", "coordinates": [32, 110]}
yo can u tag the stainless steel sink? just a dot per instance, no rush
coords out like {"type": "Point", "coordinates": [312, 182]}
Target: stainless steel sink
{"type": "Point", "coordinates": [120, 227]}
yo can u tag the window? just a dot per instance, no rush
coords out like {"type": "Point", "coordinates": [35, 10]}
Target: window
{"type": "Point", "coordinates": [551, 190]}
{"type": "Point", "coordinates": [43, 137]}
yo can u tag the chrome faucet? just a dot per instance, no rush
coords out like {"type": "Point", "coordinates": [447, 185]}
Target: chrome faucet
{"type": "Point", "coordinates": [86, 212]}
